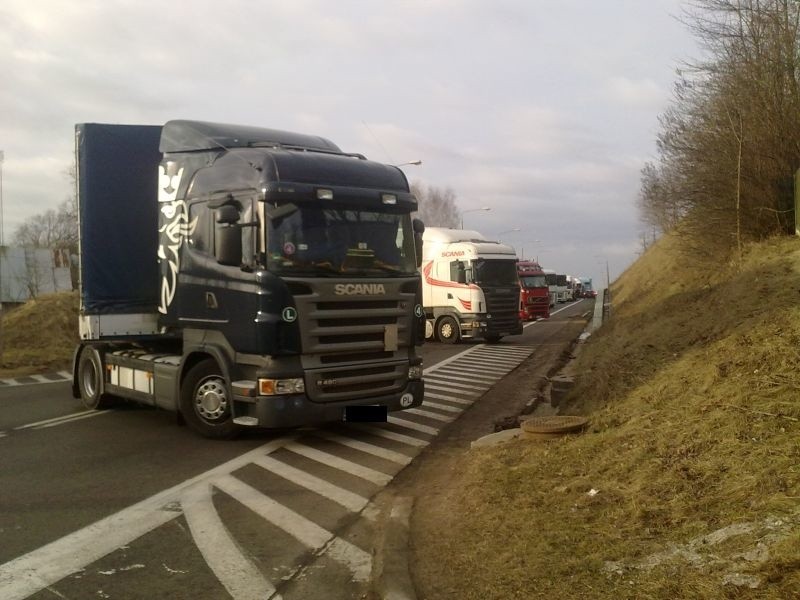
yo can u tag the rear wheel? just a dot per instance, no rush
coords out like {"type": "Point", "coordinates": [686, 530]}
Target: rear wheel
{"type": "Point", "coordinates": [447, 330]}
{"type": "Point", "coordinates": [206, 401]}
{"type": "Point", "coordinates": [90, 379]}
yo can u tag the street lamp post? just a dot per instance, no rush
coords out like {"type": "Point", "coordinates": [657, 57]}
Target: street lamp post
{"type": "Point", "coordinates": [415, 163]}
{"type": "Point", "coordinates": [463, 212]}
{"type": "Point", "coordinates": [529, 242]}
{"type": "Point", "coordinates": [507, 231]}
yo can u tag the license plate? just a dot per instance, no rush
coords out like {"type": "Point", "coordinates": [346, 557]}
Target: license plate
{"type": "Point", "coordinates": [366, 414]}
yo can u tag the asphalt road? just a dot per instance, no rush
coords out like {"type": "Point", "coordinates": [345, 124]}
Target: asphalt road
{"type": "Point", "coordinates": [125, 503]}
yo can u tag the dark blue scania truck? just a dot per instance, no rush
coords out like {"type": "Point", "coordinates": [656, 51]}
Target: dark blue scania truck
{"type": "Point", "coordinates": [245, 277]}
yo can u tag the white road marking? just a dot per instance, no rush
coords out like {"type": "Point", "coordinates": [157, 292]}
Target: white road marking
{"type": "Point", "coordinates": [394, 436]}
{"type": "Point", "coordinates": [94, 413]}
{"type": "Point", "coordinates": [494, 370]}
{"type": "Point", "coordinates": [386, 454]}
{"type": "Point", "coordinates": [429, 415]}
{"type": "Point", "coordinates": [444, 407]}
{"type": "Point", "coordinates": [446, 389]}
{"type": "Point", "coordinates": [448, 398]}
{"type": "Point", "coordinates": [452, 376]}
{"type": "Point", "coordinates": [412, 425]}
{"type": "Point", "coordinates": [349, 500]}
{"type": "Point", "coordinates": [487, 360]}
{"type": "Point", "coordinates": [240, 577]}
{"type": "Point", "coordinates": [40, 568]}
{"type": "Point", "coordinates": [62, 419]}
{"type": "Point", "coordinates": [454, 384]}
{"type": "Point", "coordinates": [347, 466]}
{"type": "Point", "coordinates": [306, 532]}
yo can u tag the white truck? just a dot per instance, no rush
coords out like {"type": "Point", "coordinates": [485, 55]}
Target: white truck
{"type": "Point", "coordinates": [470, 287]}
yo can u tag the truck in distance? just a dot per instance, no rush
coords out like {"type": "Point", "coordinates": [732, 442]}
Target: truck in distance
{"type": "Point", "coordinates": [534, 292]}
{"type": "Point", "coordinates": [245, 277]}
{"type": "Point", "coordinates": [470, 286]}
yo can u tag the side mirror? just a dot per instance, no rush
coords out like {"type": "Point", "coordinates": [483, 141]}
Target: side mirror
{"type": "Point", "coordinates": [228, 214]}
{"type": "Point", "coordinates": [228, 244]}
{"type": "Point", "coordinates": [419, 228]}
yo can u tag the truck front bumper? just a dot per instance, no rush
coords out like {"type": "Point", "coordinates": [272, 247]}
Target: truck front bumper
{"type": "Point", "coordinates": [296, 410]}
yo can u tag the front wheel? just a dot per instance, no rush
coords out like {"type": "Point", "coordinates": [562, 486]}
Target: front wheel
{"type": "Point", "coordinates": [206, 401]}
{"type": "Point", "coordinates": [90, 379]}
{"type": "Point", "coordinates": [447, 330]}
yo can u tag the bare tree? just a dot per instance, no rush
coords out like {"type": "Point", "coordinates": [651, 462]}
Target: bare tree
{"type": "Point", "coordinates": [730, 142]}
{"type": "Point", "coordinates": [56, 230]}
{"type": "Point", "coordinates": [437, 206]}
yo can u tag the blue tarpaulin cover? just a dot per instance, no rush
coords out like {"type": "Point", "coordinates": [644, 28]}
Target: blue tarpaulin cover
{"type": "Point", "coordinates": [118, 208]}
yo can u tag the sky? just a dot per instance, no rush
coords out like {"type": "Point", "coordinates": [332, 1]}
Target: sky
{"type": "Point", "coordinates": [543, 110]}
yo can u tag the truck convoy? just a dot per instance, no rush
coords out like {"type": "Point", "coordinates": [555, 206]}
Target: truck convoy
{"type": "Point", "coordinates": [534, 293]}
{"type": "Point", "coordinates": [470, 287]}
{"type": "Point", "coordinates": [245, 277]}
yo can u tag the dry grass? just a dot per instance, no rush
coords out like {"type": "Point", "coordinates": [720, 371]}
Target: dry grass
{"type": "Point", "coordinates": [40, 335]}
{"type": "Point", "coordinates": [693, 395]}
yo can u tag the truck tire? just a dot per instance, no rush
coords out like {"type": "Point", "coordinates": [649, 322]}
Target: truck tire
{"type": "Point", "coordinates": [493, 339]}
{"type": "Point", "coordinates": [206, 401]}
{"type": "Point", "coordinates": [447, 330]}
{"type": "Point", "coordinates": [90, 379]}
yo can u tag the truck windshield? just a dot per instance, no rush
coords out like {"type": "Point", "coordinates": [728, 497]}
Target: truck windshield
{"type": "Point", "coordinates": [496, 272]}
{"type": "Point", "coordinates": [323, 241]}
{"type": "Point", "coordinates": [533, 281]}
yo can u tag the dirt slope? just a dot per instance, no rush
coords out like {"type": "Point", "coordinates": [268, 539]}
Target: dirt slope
{"type": "Point", "coordinates": [40, 335]}
{"type": "Point", "coordinates": [687, 484]}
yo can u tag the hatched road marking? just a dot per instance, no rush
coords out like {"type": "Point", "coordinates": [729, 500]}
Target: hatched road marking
{"type": "Point", "coordinates": [451, 392]}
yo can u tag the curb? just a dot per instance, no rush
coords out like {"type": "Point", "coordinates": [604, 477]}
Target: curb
{"type": "Point", "coordinates": [394, 580]}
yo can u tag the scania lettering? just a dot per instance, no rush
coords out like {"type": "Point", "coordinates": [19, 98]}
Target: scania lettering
{"type": "Point", "coordinates": [245, 277]}
{"type": "Point", "coordinates": [353, 289]}
{"type": "Point", "coordinates": [470, 286]}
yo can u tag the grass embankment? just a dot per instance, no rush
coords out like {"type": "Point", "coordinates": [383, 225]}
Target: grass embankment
{"type": "Point", "coordinates": [40, 335]}
{"type": "Point", "coordinates": [687, 483]}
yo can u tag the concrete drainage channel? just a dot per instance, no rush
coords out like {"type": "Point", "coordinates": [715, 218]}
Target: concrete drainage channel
{"type": "Point", "coordinates": [542, 411]}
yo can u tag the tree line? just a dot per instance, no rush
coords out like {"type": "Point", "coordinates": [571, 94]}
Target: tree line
{"type": "Point", "coordinates": [729, 144]}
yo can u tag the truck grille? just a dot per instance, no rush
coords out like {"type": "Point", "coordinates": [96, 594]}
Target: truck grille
{"type": "Point", "coordinates": [503, 305]}
{"type": "Point", "coordinates": [349, 349]}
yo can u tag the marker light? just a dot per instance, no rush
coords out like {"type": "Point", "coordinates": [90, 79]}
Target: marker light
{"type": "Point", "coordinates": [280, 387]}
{"type": "Point", "coordinates": [389, 198]}
{"type": "Point", "coordinates": [323, 194]}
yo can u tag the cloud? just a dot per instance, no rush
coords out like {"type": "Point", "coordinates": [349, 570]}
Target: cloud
{"type": "Point", "coordinates": [641, 93]}
{"type": "Point", "coordinates": [539, 108]}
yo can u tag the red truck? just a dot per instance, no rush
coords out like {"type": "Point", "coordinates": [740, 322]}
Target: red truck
{"type": "Point", "coordinates": [534, 302]}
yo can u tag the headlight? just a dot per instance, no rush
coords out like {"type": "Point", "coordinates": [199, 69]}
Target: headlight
{"type": "Point", "coordinates": [415, 372]}
{"type": "Point", "coordinates": [280, 387]}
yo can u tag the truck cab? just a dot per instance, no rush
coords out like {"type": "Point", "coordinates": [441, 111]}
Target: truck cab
{"type": "Point", "coordinates": [470, 286]}
{"type": "Point", "coordinates": [245, 277]}
{"type": "Point", "coordinates": [534, 292]}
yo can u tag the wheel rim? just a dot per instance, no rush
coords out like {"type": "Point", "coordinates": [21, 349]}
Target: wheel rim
{"type": "Point", "coordinates": [447, 329]}
{"type": "Point", "coordinates": [211, 399]}
{"type": "Point", "coordinates": [89, 378]}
